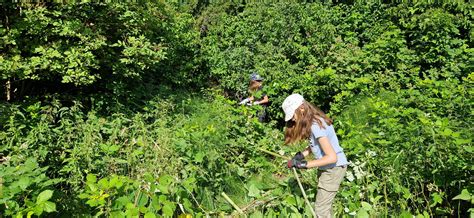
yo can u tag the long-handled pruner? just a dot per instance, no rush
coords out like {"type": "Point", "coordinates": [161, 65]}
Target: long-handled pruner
{"type": "Point", "coordinates": [296, 176]}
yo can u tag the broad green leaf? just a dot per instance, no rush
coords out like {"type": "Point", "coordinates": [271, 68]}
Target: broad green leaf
{"type": "Point", "coordinates": [38, 209]}
{"type": "Point", "coordinates": [30, 164]}
{"type": "Point", "coordinates": [405, 214]}
{"type": "Point", "coordinates": [143, 200]}
{"type": "Point", "coordinates": [290, 200]}
{"type": "Point", "coordinates": [199, 157]}
{"type": "Point", "coordinates": [115, 182]}
{"type": "Point", "coordinates": [189, 183]}
{"type": "Point", "coordinates": [133, 212]}
{"type": "Point", "coordinates": [130, 205]}
{"type": "Point", "coordinates": [463, 142]}
{"type": "Point", "coordinates": [447, 132]}
{"type": "Point", "coordinates": [437, 199]}
{"type": "Point", "coordinates": [122, 201]}
{"type": "Point", "coordinates": [253, 191]}
{"type": "Point", "coordinates": [162, 188]}
{"type": "Point", "coordinates": [44, 196]}
{"type": "Point", "coordinates": [92, 202]}
{"type": "Point", "coordinates": [49, 206]}
{"type": "Point", "coordinates": [143, 209]}
{"type": "Point", "coordinates": [168, 209]}
{"type": "Point", "coordinates": [155, 202]}
{"type": "Point", "coordinates": [162, 198]}
{"type": "Point", "coordinates": [104, 147]}
{"type": "Point", "coordinates": [164, 183]}
{"type": "Point", "coordinates": [150, 215]}
{"type": "Point", "coordinates": [103, 183]}
{"type": "Point", "coordinates": [362, 213]}
{"type": "Point", "coordinates": [23, 182]}
{"type": "Point", "coordinates": [114, 148]}
{"type": "Point", "coordinates": [91, 178]}
{"type": "Point", "coordinates": [465, 195]}
{"type": "Point", "coordinates": [366, 206]}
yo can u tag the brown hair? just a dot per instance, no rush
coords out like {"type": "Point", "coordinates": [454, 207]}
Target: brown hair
{"type": "Point", "coordinates": [301, 128]}
{"type": "Point", "coordinates": [254, 85]}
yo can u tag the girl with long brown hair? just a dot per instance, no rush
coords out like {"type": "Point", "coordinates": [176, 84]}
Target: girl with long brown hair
{"type": "Point", "coordinates": [257, 95]}
{"type": "Point", "coordinates": [307, 122]}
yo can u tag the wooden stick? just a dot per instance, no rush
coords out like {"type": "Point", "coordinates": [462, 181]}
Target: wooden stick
{"type": "Point", "coordinates": [274, 154]}
{"type": "Point", "coordinates": [296, 176]}
{"type": "Point", "coordinates": [232, 203]}
{"type": "Point", "coordinates": [304, 193]}
{"type": "Point", "coordinates": [256, 202]}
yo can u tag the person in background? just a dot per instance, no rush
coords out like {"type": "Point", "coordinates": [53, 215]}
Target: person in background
{"type": "Point", "coordinates": [307, 122]}
{"type": "Point", "coordinates": [257, 95]}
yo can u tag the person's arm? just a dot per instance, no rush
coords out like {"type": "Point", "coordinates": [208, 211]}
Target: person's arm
{"type": "Point", "coordinates": [245, 101]}
{"type": "Point", "coordinates": [263, 101]}
{"type": "Point", "coordinates": [329, 157]}
{"type": "Point", "coordinates": [306, 151]}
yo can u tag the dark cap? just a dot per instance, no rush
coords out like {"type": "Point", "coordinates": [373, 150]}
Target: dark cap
{"type": "Point", "coordinates": [255, 76]}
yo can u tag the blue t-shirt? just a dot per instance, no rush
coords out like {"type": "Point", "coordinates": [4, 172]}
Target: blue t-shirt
{"type": "Point", "coordinates": [328, 131]}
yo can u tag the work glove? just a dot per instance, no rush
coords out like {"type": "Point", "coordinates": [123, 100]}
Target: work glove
{"type": "Point", "coordinates": [299, 164]}
{"type": "Point", "coordinates": [298, 156]}
{"type": "Point", "coordinates": [245, 101]}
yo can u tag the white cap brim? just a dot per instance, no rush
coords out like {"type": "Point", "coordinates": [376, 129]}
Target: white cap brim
{"type": "Point", "coordinates": [288, 116]}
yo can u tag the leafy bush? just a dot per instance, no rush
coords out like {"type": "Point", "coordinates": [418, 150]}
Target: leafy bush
{"type": "Point", "coordinates": [333, 53]}
{"type": "Point", "coordinates": [410, 153]}
{"type": "Point", "coordinates": [117, 44]}
{"type": "Point", "coordinates": [24, 188]}
{"type": "Point", "coordinates": [202, 146]}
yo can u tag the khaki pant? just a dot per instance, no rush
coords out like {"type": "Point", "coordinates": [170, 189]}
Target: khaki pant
{"type": "Point", "coordinates": [328, 184]}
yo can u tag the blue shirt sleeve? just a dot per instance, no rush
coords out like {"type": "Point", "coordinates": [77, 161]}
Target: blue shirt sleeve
{"type": "Point", "coordinates": [317, 131]}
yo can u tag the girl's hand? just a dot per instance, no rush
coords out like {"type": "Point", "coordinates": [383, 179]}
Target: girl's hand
{"type": "Point", "coordinates": [299, 164]}
{"type": "Point", "coordinates": [299, 156]}
{"type": "Point", "coordinates": [245, 101]}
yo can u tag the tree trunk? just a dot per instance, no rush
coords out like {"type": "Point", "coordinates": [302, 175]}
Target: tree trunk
{"type": "Point", "coordinates": [8, 86]}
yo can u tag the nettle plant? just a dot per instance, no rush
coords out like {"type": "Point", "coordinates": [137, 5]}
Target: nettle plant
{"type": "Point", "coordinates": [120, 196]}
{"type": "Point", "coordinates": [25, 190]}
{"type": "Point", "coordinates": [402, 146]}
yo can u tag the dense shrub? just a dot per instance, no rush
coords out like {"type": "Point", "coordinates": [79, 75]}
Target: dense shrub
{"type": "Point", "coordinates": [114, 47]}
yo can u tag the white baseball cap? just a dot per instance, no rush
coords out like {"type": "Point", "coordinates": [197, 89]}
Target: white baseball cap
{"type": "Point", "coordinates": [290, 104]}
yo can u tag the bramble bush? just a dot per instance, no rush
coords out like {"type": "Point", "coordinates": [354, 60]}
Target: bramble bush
{"type": "Point", "coordinates": [175, 157]}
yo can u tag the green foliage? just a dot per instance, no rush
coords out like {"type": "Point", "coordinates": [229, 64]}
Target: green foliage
{"type": "Point", "coordinates": [340, 57]}
{"type": "Point", "coordinates": [407, 146]}
{"type": "Point", "coordinates": [397, 79]}
{"type": "Point", "coordinates": [118, 42]}
{"type": "Point", "coordinates": [188, 148]}
{"type": "Point", "coordinates": [333, 53]}
{"type": "Point", "coordinates": [119, 196]}
{"type": "Point", "coordinates": [24, 189]}
{"type": "Point", "coordinates": [273, 40]}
